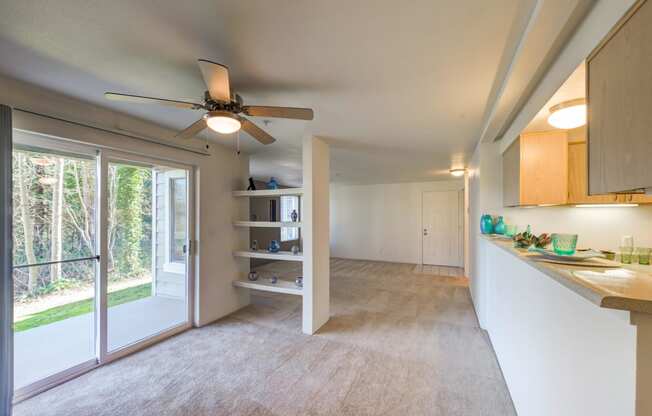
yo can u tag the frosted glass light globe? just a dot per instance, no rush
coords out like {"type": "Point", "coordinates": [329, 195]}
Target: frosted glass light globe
{"type": "Point", "coordinates": [223, 122]}
{"type": "Point", "coordinates": [568, 115]}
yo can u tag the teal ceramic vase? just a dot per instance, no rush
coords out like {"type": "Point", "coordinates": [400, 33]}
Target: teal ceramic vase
{"type": "Point", "coordinates": [499, 226]}
{"type": "Point", "coordinates": [487, 224]}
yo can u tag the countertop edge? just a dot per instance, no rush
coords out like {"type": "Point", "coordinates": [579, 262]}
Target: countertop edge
{"type": "Point", "coordinates": [588, 291]}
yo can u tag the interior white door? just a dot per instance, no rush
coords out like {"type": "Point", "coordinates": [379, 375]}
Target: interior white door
{"type": "Point", "coordinates": [441, 231]}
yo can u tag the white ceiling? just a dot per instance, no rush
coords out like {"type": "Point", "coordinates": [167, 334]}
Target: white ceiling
{"type": "Point", "coordinates": [573, 87]}
{"type": "Point", "coordinates": [399, 90]}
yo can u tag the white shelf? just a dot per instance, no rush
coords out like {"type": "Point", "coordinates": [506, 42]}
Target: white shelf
{"type": "Point", "coordinates": [281, 286]}
{"type": "Point", "coordinates": [269, 192]}
{"type": "Point", "coordinates": [267, 224]}
{"type": "Point", "coordinates": [262, 254]}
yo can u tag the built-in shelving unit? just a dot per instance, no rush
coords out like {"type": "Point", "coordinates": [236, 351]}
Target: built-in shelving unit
{"type": "Point", "coordinates": [269, 192]}
{"type": "Point", "coordinates": [314, 235]}
{"type": "Point", "coordinates": [281, 286]}
{"type": "Point", "coordinates": [261, 254]}
{"type": "Point", "coordinates": [267, 224]}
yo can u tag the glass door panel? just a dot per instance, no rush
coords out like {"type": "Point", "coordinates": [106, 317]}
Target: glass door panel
{"type": "Point", "coordinates": [147, 235]}
{"type": "Point", "coordinates": [54, 223]}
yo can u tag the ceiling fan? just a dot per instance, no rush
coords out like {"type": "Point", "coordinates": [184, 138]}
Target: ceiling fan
{"type": "Point", "coordinates": [223, 108]}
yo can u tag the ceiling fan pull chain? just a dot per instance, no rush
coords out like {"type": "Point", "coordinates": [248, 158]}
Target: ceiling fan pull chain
{"type": "Point", "coordinates": [237, 142]}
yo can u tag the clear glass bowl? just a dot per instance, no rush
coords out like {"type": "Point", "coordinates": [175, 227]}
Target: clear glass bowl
{"type": "Point", "coordinates": [564, 244]}
{"type": "Point", "coordinates": [511, 230]}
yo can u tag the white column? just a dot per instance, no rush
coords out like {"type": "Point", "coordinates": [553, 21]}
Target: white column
{"type": "Point", "coordinates": [316, 234]}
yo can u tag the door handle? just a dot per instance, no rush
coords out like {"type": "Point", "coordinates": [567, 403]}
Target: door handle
{"type": "Point", "coordinates": [425, 231]}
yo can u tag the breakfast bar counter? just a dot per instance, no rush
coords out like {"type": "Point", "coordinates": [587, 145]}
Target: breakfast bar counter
{"type": "Point", "coordinates": [570, 339]}
{"type": "Point", "coordinates": [627, 288]}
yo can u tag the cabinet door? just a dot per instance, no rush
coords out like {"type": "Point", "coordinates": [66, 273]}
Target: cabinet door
{"type": "Point", "coordinates": [544, 168]}
{"type": "Point", "coordinates": [511, 175]}
{"type": "Point", "coordinates": [577, 178]}
{"type": "Point", "coordinates": [619, 88]}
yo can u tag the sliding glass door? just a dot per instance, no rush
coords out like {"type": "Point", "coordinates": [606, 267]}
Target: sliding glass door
{"type": "Point", "coordinates": [55, 261]}
{"type": "Point", "coordinates": [101, 246]}
{"type": "Point", "coordinates": [147, 249]}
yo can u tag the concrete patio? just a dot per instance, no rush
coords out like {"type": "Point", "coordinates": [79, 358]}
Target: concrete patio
{"type": "Point", "coordinates": [46, 350]}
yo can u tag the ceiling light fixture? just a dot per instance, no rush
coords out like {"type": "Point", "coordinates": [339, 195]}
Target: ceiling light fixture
{"type": "Point", "coordinates": [222, 122]}
{"type": "Point", "coordinates": [457, 172]}
{"type": "Point", "coordinates": [568, 114]}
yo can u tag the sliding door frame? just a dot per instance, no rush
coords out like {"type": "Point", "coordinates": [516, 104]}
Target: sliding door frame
{"type": "Point", "coordinates": [6, 259]}
{"type": "Point", "coordinates": [103, 157]}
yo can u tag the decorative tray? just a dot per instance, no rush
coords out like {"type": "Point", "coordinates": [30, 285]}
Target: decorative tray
{"type": "Point", "coordinates": [579, 255]}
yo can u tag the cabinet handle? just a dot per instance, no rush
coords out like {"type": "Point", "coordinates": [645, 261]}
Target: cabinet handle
{"type": "Point", "coordinates": [631, 197]}
{"type": "Point", "coordinates": [615, 197]}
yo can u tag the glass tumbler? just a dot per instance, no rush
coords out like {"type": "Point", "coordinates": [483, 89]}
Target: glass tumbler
{"type": "Point", "coordinates": [643, 255]}
{"type": "Point", "coordinates": [626, 255]}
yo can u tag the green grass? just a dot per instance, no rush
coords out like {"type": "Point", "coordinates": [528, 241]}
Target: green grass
{"type": "Point", "coordinates": [59, 313]}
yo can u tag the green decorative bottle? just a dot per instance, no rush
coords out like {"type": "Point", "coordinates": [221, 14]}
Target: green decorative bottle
{"type": "Point", "coordinates": [499, 227]}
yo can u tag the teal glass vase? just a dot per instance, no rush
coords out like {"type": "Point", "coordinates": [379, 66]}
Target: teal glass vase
{"type": "Point", "coordinates": [499, 226]}
{"type": "Point", "coordinates": [487, 224]}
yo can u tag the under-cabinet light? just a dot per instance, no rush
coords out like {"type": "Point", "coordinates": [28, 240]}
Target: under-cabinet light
{"type": "Point", "coordinates": [605, 205]}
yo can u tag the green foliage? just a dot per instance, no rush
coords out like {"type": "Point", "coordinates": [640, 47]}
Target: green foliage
{"type": "Point", "coordinates": [82, 307]}
{"type": "Point", "coordinates": [58, 285]}
{"type": "Point", "coordinates": [131, 253]}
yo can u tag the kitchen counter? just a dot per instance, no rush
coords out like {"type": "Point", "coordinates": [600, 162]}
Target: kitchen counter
{"type": "Point", "coordinates": [581, 335]}
{"type": "Point", "coordinates": [628, 288]}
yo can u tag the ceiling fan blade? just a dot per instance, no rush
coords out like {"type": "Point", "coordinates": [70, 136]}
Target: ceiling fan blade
{"type": "Point", "coordinates": [279, 112]}
{"type": "Point", "coordinates": [256, 132]}
{"type": "Point", "coordinates": [149, 100]}
{"type": "Point", "coordinates": [216, 77]}
{"type": "Point", "coordinates": [192, 130]}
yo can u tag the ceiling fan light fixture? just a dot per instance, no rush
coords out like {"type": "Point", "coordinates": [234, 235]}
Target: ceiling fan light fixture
{"type": "Point", "coordinates": [568, 114]}
{"type": "Point", "coordinates": [223, 122]}
{"type": "Point", "coordinates": [457, 172]}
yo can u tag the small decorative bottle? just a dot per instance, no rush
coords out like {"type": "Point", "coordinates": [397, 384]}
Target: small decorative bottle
{"type": "Point", "coordinates": [274, 246]}
{"type": "Point", "coordinates": [499, 227]}
{"type": "Point", "coordinates": [253, 276]}
{"type": "Point", "coordinates": [294, 215]}
{"type": "Point", "coordinates": [272, 184]}
{"type": "Point", "coordinates": [486, 224]}
{"type": "Point", "coordinates": [295, 249]}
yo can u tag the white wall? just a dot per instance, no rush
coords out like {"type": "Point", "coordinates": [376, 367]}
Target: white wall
{"type": "Point", "coordinates": [560, 354]}
{"type": "Point", "coordinates": [380, 222]}
{"type": "Point", "coordinates": [217, 175]}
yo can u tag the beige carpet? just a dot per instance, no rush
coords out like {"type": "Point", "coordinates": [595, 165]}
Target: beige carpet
{"type": "Point", "coordinates": [398, 343]}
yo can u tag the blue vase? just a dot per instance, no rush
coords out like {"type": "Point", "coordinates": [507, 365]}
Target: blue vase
{"type": "Point", "coordinates": [499, 227]}
{"type": "Point", "coordinates": [272, 184]}
{"type": "Point", "coordinates": [487, 224]}
{"type": "Point", "coordinates": [274, 246]}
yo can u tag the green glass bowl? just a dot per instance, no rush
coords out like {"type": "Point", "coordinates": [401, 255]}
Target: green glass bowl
{"type": "Point", "coordinates": [564, 244]}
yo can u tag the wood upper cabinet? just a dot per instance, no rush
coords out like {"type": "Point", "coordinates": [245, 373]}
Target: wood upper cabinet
{"type": "Point", "coordinates": [535, 170]}
{"type": "Point", "coordinates": [578, 181]}
{"type": "Point", "coordinates": [619, 91]}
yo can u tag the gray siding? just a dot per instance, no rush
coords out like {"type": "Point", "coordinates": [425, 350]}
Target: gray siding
{"type": "Point", "coordinates": [167, 283]}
